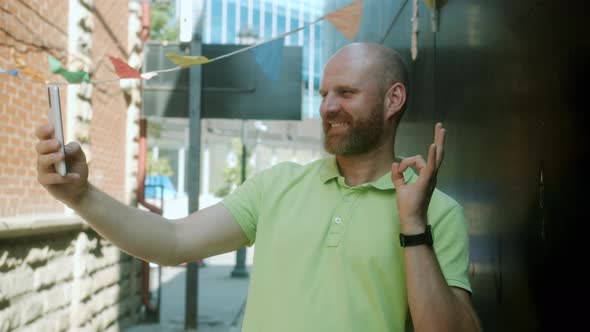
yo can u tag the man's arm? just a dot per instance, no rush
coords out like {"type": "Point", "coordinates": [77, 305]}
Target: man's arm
{"type": "Point", "coordinates": [140, 233]}
{"type": "Point", "coordinates": [434, 305]}
{"type": "Point", "coordinates": [151, 237]}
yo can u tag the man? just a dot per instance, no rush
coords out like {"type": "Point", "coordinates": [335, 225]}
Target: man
{"type": "Point", "coordinates": [328, 251]}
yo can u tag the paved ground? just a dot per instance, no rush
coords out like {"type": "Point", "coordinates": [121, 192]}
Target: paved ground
{"type": "Point", "coordinates": [221, 297]}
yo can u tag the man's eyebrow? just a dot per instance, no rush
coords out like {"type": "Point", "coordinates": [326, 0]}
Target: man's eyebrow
{"type": "Point", "coordinates": [346, 87]}
{"type": "Point", "coordinates": [341, 87]}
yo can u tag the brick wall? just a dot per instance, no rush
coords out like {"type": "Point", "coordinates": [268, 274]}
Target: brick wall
{"type": "Point", "coordinates": [32, 29]}
{"type": "Point", "coordinates": [65, 280]}
{"type": "Point", "coordinates": [108, 130]}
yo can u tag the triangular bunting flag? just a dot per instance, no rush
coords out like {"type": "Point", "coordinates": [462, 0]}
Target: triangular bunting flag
{"type": "Point", "coordinates": [11, 72]}
{"type": "Point", "coordinates": [75, 76]}
{"type": "Point", "coordinates": [71, 76]}
{"type": "Point", "coordinates": [269, 57]}
{"type": "Point", "coordinates": [186, 60]}
{"type": "Point", "coordinates": [122, 69]}
{"type": "Point", "coordinates": [32, 73]}
{"type": "Point", "coordinates": [348, 19]}
{"type": "Point", "coordinates": [148, 76]}
{"type": "Point", "coordinates": [54, 65]}
{"type": "Point", "coordinates": [26, 70]}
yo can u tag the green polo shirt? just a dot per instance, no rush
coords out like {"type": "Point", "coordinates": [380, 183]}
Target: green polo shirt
{"type": "Point", "coordinates": [328, 256]}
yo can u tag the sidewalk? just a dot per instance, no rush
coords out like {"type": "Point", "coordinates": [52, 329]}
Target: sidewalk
{"type": "Point", "coordinates": [221, 298]}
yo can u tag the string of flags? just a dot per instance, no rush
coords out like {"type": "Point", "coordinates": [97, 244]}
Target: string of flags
{"type": "Point", "coordinates": [268, 55]}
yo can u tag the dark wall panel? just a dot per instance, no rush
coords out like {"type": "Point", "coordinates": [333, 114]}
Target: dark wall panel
{"type": "Point", "coordinates": [507, 78]}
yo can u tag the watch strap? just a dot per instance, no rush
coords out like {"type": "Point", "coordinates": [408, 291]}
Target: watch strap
{"type": "Point", "coordinates": [417, 239]}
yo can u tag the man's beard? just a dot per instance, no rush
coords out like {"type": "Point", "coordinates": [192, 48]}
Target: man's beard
{"type": "Point", "coordinates": [362, 136]}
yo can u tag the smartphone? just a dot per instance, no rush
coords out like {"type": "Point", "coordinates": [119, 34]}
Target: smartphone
{"type": "Point", "coordinates": [55, 119]}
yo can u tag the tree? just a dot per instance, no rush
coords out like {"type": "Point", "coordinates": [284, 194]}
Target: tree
{"type": "Point", "coordinates": [163, 23]}
{"type": "Point", "coordinates": [160, 166]}
{"type": "Point", "coordinates": [232, 174]}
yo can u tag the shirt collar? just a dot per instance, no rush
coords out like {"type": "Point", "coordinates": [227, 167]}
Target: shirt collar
{"type": "Point", "coordinates": [330, 171]}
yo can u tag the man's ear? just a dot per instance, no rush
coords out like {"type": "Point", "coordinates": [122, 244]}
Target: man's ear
{"type": "Point", "coordinates": [395, 99]}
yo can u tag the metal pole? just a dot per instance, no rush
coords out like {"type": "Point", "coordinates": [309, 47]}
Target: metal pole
{"type": "Point", "coordinates": [191, 320]}
{"type": "Point", "coordinates": [240, 270]}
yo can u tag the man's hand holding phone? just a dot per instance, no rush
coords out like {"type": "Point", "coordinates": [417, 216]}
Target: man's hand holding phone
{"type": "Point", "coordinates": [53, 156]}
{"type": "Point", "coordinates": [70, 188]}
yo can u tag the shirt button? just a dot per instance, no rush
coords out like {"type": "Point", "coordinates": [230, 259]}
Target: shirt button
{"type": "Point", "coordinates": [337, 220]}
{"type": "Point", "coordinates": [347, 199]}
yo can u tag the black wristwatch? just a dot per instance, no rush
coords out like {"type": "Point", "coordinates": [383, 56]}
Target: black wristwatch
{"type": "Point", "coordinates": [418, 239]}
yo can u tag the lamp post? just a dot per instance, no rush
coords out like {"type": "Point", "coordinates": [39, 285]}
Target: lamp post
{"type": "Point", "coordinates": [245, 36]}
{"type": "Point", "coordinates": [240, 270]}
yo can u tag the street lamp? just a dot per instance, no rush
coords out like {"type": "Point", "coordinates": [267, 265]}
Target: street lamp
{"type": "Point", "coordinates": [245, 36]}
{"type": "Point", "coordinates": [240, 270]}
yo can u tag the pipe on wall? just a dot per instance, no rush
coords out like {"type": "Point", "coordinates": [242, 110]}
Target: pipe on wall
{"type": "Point", "coordinates": [151, 308]}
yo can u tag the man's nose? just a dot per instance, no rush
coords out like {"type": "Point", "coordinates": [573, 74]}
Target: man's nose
{"type": "Point", "coordinates": [330, 104]}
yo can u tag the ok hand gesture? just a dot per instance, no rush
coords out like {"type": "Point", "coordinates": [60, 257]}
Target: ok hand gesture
{"type": "Point", "coordinates": [413, 199]}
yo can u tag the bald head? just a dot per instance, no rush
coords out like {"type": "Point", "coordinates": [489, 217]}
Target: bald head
{"type": "Point", "coordinates": [363, 98]}
{"type": "Point", "coordinates": [379, 61]}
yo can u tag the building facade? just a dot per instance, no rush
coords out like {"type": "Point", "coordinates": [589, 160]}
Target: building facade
{"type": "Point", "coordinates": [56, 274]}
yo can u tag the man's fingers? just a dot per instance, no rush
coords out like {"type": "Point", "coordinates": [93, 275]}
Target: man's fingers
{"type": "Point", "coordinates": [47, 146]}
{"type": "Point", "coordinates": [54, 178]}
{"type": "Point", "coordinates": [415, 161]}
{"type": "Point", "coordinates": [431, 163]}
{"type": "Point", "coordinates": [439, 140]}
{"type": "Point", "coordinates": [44, 132]}
{"type": "Point", "coordinates": [429, 175]}
{"type": "Point", "coordinates": [47, 160]}
{"type": "Point", "coordinates": [74, 153]}
{"type": "Point", "coordinates": [396, 176]}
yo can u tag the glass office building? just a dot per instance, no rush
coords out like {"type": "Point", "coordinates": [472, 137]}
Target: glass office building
{"type": "Point", "coordinates": [246, 21]}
